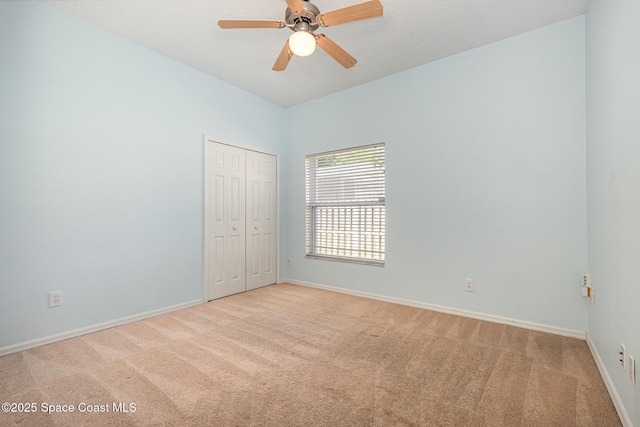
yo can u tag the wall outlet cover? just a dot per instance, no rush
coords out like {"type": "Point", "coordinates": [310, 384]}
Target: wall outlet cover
{"type": "Point", "coordinates": [468, 285]}
{"type": "Point", "coordinates": [55, 299]}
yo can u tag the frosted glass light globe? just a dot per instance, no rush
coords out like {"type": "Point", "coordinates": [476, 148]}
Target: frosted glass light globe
{"type": "Point", "coordinates": [302, 43]}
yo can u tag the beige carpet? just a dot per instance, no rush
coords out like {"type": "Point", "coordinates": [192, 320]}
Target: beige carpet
{"type": "Point", "coordinates": [287, 355]}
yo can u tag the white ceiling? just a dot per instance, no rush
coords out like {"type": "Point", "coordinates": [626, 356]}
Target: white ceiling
{"type": "Point", "coordinates": [411, 33]}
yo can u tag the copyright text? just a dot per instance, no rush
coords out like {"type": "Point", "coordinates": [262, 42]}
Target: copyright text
{"type": "Point", "coordinates": [82, 407]}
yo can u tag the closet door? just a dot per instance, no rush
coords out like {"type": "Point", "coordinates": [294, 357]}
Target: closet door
{"type": "Point", "coordinates": [261, 219]}
{"type": "Point", "coordinates": [224, 220]}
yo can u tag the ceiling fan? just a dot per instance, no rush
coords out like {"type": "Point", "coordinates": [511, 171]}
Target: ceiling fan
{"type": "Point", "coordinates": [304, 18]}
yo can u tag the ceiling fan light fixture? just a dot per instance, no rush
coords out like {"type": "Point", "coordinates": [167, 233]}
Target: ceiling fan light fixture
{"type": "Point", "coordinates": [303, 18]}
{"type": "Point", "coordinates": [302, 43]}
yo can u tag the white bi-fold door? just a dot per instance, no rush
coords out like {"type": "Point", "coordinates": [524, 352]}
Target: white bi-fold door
{"type": "Point", "coordinates": [240, 219]}
{"type": "Point", "coordinates": [260, 220]}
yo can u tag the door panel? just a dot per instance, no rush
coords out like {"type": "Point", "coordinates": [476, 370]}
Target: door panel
{"type": "Point", "coordinates": [261, 224]}
{"type": "Point", "coordinates": [254, 255]}
{"type": "Point", "coordinates": [218, 259]}
{"type": "Point", "coordinates": [268, 255]}
{"type": "Point", "coordinates": [225, 220]}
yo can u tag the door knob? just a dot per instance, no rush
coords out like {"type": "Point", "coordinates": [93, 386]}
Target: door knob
{"type": "Point", "coordinates": [235, 228]}
{"type": "Point", "coordinates": [255, 228]}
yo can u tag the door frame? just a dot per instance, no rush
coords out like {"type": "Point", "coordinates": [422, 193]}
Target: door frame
{"type": "Point", "coordinates": [205, 249]}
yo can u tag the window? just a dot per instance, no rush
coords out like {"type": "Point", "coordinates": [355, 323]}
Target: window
{"type": "Point", "coordinates": [345, 205]}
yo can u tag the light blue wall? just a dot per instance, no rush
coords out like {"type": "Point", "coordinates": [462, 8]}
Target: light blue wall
{"type": "Point", "coordinates": [613, 182]}
{"type": "Point", "coordinates": [101, 179]}
{"type": "Point", "coordinates": [485, 178]}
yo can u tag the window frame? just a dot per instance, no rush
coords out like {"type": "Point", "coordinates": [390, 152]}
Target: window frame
{"type": "Point", "coordinates": [373, 194]}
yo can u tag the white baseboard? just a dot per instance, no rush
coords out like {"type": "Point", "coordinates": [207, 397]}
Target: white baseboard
{"type": "Point", "coordinates": [460, 312]}
{"type": "Point", "coordinates": [93, 328]}
{"type": "Point", "coordinates": [615, 397]}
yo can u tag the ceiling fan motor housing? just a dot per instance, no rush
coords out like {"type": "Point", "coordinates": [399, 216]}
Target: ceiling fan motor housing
{"type": "Point", "coordinates": [308, 15]}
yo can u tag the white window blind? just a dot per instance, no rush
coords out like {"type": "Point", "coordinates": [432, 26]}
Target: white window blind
{"type": "Point", "coordinates": [345, 204]}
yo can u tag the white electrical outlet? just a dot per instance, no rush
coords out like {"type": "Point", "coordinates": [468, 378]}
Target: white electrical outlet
{"type": "Point", "coordinates": [587, 289]}
{"type": "Point", "coordinates": [55, 299]}
{"type": "Point", "coordinates": [632, 369]}
{"type": "Point", "coordinates": [623, 356]}
{"type": "Point", "coordinates": [468, 285]}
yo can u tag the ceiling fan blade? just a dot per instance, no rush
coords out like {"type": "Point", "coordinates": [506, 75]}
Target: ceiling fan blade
{"type": "Point", "coordinates": [246, 23]}
{"type": "Point", "coordinates": [295, 5]}
{"type": "Point", "coordinates": [283, 58]}
{"type": "Point", "coordinates": [367, 10]}
{"type": "Point", "coordinates": [335, 51]}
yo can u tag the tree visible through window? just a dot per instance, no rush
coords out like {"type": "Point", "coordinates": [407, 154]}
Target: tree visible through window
{"type": "Point", "coordinates": [345, 204]}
